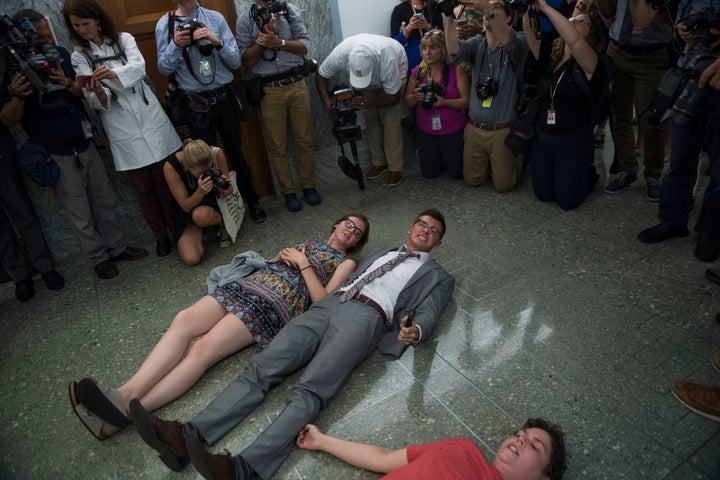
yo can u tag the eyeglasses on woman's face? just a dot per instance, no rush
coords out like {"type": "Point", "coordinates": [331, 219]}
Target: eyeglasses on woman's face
{"type": "Point", "coordinates": [350, 225]}
{"type": "Point", "coordinates": [579, 21]}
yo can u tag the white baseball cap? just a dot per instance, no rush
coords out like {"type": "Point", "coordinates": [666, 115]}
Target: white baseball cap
{"type": "Point", "coordinates": [361, 66]}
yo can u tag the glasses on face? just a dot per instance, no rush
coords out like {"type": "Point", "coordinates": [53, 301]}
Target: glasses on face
{"type": "Point", "coordinates": [350, 225]}
{"type": "Point", "coordinates": [424, 225]}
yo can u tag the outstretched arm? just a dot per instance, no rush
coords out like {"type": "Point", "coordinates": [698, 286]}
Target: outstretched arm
{"type": "Point", "coordinates": [369, 457]}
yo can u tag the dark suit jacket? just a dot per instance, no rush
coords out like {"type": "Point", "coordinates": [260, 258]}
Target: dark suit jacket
{"type": "Point", "coordinates": [427, 292]}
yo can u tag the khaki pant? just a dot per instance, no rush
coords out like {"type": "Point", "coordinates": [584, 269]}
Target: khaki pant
{"type": "Point", "coordinates": [384, 133]}
{"type": "Point", "coordinates": [484, 151]}
{"type": "Point", "coordinates": [280, 103]}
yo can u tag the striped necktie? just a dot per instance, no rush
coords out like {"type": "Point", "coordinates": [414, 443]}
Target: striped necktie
{"type": "Point", "coordinates": [378, 272]}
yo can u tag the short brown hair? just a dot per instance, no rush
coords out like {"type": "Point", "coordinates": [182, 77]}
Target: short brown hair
{"type": "Point", "coordinates": [558, 457]}
{"type": "Point", "coordinates": [434, 213]}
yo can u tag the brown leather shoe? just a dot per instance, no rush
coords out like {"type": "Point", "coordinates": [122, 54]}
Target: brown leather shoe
{"type": "Point", "coordinates": [216, 466]}
{"type": "Point", "coordinates": [394, 179]}
{"type": "Point", "coordinates": [166, 437]}
{"type": "Point", "coordinates": [375, 171]}
{"type": "Point", "coordinates": [701, 399]}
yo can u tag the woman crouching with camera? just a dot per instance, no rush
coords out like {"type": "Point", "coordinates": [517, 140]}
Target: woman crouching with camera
{"type": "Point", "coordinates": [193, 186]}
{"type": "Point", "coordinates": [442, 90]}
{"type": "Point", "coordinates": [562, 152]}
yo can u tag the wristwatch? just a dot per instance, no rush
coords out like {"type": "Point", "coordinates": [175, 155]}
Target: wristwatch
{"type": "Point", "coordinates": [219, 45]}
{"type": "Point", "coordinates": [283, 44]}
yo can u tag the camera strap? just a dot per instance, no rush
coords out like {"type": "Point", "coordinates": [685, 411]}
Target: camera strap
{"type": "Point", "coordinates": [119, 52]}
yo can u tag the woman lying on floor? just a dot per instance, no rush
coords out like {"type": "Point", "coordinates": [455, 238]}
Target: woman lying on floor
{"type": "Point", "coordinates": [259, 305]}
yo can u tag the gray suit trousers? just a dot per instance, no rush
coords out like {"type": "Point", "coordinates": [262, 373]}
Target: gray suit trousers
{"type": "Point", "coordinates": [330, 339]}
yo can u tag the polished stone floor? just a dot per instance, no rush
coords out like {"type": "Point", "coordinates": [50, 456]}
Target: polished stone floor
{"type": "Point", "coordinates": [563, 315]}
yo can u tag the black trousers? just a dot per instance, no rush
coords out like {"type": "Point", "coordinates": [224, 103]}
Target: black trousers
{"type": "Point", "coordinates": [225, 120]}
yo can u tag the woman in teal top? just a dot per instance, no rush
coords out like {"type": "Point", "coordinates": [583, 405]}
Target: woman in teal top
{"type": "Point", "coordinates": [243, 312]}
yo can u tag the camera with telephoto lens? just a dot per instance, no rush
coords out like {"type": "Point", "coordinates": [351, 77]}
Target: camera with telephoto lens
{"type": "Point", "coordinates": [679, 95]}
{"type": "Point", "coordinates": [22, 50]}
{"type": "Point", "coordinates": [431, 89]}
{"type": "Point", "coordinates": [262, 14]}
{"type": "Point", "coordinates": [487, 88]}
{"type": "Point", "coordinates": [205, 46]}
{"type": "Point", "coordinates": [520, 6]}
{"type": "Point", "coordinates": [344, 115]}
{"type": "Point", "coordinates": [217, 179]}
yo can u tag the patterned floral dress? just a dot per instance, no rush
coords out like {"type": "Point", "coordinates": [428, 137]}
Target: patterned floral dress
{"type": "Point", "coordinates": [269, 297]}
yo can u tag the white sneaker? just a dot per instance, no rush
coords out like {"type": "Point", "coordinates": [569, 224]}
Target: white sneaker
{"type": "Point", "coordinates": [225, 240]}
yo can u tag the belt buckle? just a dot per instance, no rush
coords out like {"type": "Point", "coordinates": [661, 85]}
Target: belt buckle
{"type": "Point", "coordinates": [212, 100]}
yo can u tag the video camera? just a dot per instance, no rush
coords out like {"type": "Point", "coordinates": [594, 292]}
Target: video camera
{"type": "Point", "coordinates": [345, 127]}
{"type": "Point", "coordinates": [21, 51]}
{"type": "Point", "coordinates": [205, 46]}
{"type": "Point", "coordinates": [679, 95]}
{"type": "Point", "coordinates": [431, 89]}
{"type": "Point", "coordinates": [262, 14]}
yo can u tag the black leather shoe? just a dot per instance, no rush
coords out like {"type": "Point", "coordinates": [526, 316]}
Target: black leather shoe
{"type": "Point", "coordinates": [257, 214]}
{"type": "Point", "coordinates": [53, 279]}
{"type": "Point", "coordinates": [216, 466]}
{"type": "Point", "coordinates": [163, 247]}
{"type": "Point", "coordinates": [130, 253]}
{"type": "Point", "coordinates": [165, 437]}
{"type": "Point", "coordinates": [707, 248]}
{"type": "Point", "coordinates": [661, 232]}
{"type": "Point", "coordinates": [24, 289]}
{"type": "Point", "coordinates": [106, 270]}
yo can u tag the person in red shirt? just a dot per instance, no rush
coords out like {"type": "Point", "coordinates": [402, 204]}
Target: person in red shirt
{"type": "Point", "coordinates": [535, 452]}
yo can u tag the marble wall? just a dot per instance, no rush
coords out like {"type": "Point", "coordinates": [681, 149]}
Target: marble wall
{"type": "Point", "coordinates": [60, 234]}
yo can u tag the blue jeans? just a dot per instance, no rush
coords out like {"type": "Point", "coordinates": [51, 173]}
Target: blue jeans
{"type": "Point", "coordinates": [678, 181]}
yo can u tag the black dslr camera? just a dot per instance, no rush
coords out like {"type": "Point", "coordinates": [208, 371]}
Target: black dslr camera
{"type": "Point", "coordinates": [486, 89]}
{"type": "Point", "coordinates": [520, 6]}
{"type": "Point", "coordinates": [205, 46]}
{"type": "Point", "coordinates": [447, 7]}
{"type": "Point", "coordinates": [22, 51]}
{"type": "Point", "coordinates": [345, 127]}
{"type": "Point", "coordinates": [262, 14]}
{"type": "Point", "coordinates": [431, 89]}
{"type": "Point", "coordinates": [679, 95]}
{"type": "Point", "coordinates": [217, 179]}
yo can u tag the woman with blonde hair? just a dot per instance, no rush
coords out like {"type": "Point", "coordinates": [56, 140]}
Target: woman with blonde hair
{"type": "Point", "coordinates": [440, 93]}
{"type": "Point", "coordinates": [195, 207]}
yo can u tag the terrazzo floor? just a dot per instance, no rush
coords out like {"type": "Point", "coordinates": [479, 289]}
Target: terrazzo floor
{"type": "Point", "coordinates": [563, 315]}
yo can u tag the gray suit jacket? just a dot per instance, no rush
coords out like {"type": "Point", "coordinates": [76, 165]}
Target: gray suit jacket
{"type": "Point", "coordinates": [427, 292]}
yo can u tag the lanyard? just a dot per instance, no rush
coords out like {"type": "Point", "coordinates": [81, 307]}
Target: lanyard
{"type": "Point", "coordinates": [553, 90]}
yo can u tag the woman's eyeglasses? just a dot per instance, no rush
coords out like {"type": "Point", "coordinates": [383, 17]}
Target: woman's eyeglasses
{"type": "Point", "coordinates": [350, 225]}
{"type": "Point", "coordinates": [579, 21]}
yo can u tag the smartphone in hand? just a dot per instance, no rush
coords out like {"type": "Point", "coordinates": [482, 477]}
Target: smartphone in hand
{"type": "Point", "coordinates": [418, 15]}
{"type": "Point", "coordinates": [85, 81]}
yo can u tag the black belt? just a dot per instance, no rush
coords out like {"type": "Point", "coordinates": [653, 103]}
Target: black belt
{"type": "Point", "coordinates": [640, 49]}
{"type": "Point", "coordinates": [213, 96]}
{"type": "Point", "coordinates": [369, 302]}
{"type": "Point", "coordinates": [284, 81]}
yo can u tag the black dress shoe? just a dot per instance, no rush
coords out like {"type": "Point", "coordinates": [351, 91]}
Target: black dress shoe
{"type": "Point", "coordinates": [24, 290]}
{"type": "Point", "coordinates": [165, 437]}
{"type": "Point", "coordinates": [130, 253]}
{"type": "Point", "coordinates": [106, 270]}
{"type": "Point", "coordinates": [707, 248]}
{"type": "Point", "coordinates": [661, 232]}
{"type": "Point", "coordinates": [163, 247]}
{"type": "Point", "coordinates": [53, 279]}
{"type": "Point", "coordinates": [216, 466]}
{"type": "Point", "coordinates": [257, 214]}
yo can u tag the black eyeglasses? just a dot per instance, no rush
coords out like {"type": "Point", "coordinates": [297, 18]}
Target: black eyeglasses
{"type": "Point", "coordinates": [349, 224]}
{"type": "Point", "coordinates": [433, 231]}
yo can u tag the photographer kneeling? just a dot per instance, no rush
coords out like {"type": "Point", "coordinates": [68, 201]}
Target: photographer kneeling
{"type": "Point", "coordinates": [443, 91]}
{"type": "Point", "coordinates": [196, 175]}
{"type": "Point", "coordinates": [695, 126]}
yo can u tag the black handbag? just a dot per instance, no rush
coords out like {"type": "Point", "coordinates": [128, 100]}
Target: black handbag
{"type": "Point", "coordinates": [520, 137]}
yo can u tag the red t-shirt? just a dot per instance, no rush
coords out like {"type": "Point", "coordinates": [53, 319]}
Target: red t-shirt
{"type": "Point", "coordinates": [452, 459]}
